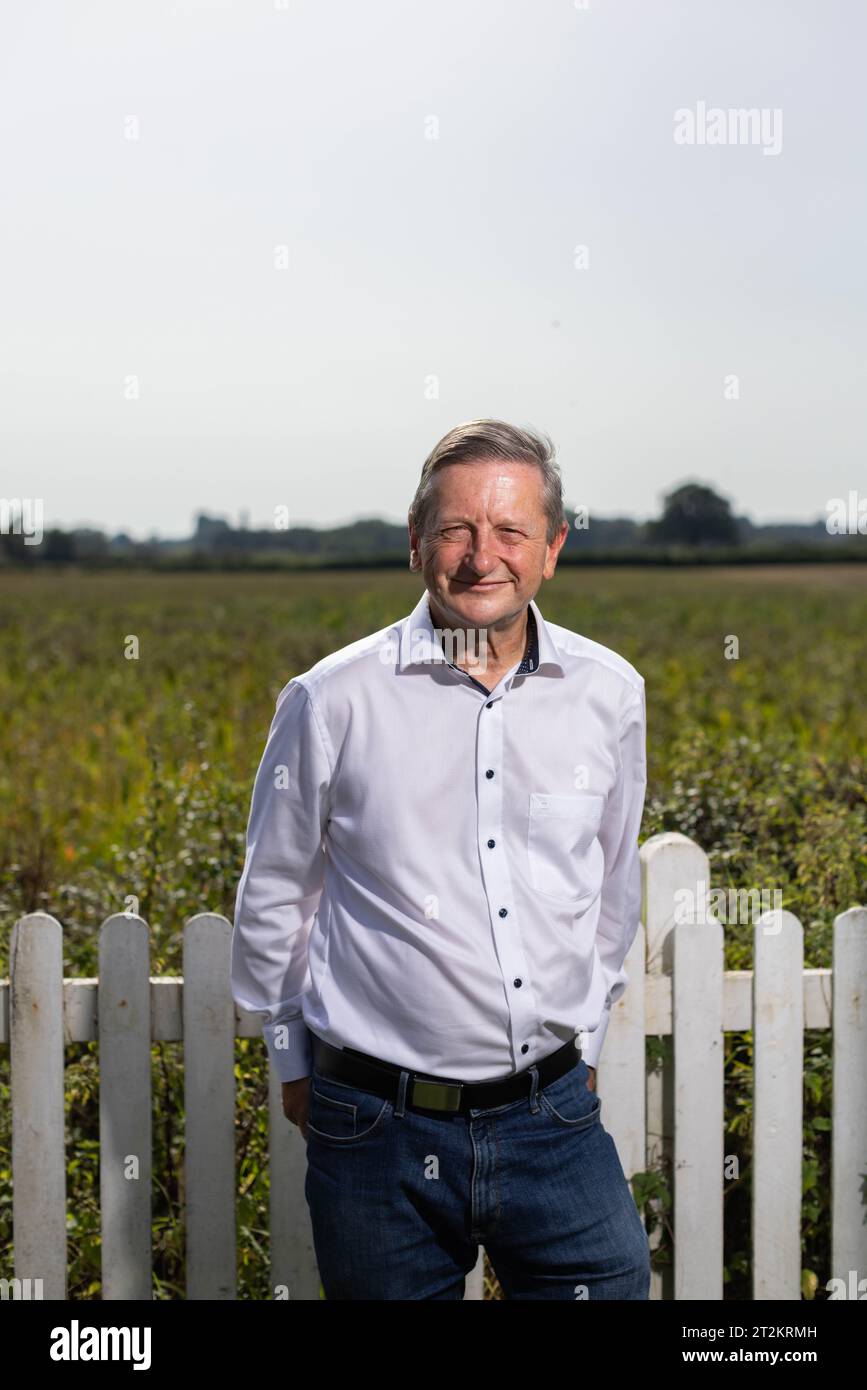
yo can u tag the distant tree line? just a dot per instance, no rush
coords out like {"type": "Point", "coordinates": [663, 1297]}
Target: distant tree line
{"type": "Point", "coordinates": [696, 525]}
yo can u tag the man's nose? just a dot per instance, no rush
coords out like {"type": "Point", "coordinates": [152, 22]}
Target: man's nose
{"type": "Point", "coordinates": [480, 553]}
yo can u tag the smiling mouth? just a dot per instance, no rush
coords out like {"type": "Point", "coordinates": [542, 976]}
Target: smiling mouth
{"type": "Point", "coordinates": [485, 584]}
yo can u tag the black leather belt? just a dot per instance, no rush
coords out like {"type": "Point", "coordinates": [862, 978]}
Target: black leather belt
{"type": "Point", "coordinates": [424, 1092]}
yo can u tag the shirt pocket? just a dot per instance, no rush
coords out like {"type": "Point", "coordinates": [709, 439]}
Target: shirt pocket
{"type": "Point", "coordinates": [565, 858]}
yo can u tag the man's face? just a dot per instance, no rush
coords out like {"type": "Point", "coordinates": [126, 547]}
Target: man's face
{"type": "Point", "coordinates": [485, 553]}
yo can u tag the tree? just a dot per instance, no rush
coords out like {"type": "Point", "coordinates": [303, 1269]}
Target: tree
{"type": "Point", "coordinates": [695, 515]}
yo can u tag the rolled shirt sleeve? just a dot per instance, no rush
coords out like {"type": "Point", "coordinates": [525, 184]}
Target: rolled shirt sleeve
{"type": "Point", "coordinates": [620, 909]}
{"type": "Point", "coordinates": [281, 884]}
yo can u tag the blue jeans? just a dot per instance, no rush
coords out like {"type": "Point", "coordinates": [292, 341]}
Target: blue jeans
{"type": "Point", "coordinates": [401, 1199]}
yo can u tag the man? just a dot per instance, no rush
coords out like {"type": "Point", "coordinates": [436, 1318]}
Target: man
{"type": "Point", "coordinates": [441, 885]}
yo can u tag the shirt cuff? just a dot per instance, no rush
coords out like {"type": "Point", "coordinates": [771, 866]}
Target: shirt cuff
{"type": "Point", "coordinates": [289, 1048]}
{"type": "Point", "coordinates": [591, 1043]}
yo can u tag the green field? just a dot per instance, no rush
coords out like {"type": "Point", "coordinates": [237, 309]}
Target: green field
{"type": "Point", "coordinates": [133, 777]}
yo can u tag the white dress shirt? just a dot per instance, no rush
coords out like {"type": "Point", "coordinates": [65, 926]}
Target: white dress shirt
{"type": "Point", "coordinates": [443, 877]}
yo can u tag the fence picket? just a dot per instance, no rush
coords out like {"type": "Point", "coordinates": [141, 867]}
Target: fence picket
{"type": "Point", "coordinates": [38, 1149]}
{"type": "Point", "coordinates": [697, 1010]}
{"type": "Point", "coordinates": [474, 1284]}
{"type": "Point", "coordinates": [293, 1261]}
{"type": "Point", "coordinates": [778, 1071]}
{"type": "Point", "coordinates": [849, 1102]}
{"type": "Point", "coordinates": [669, 862]}
{"type": "Point", "coordinates": [209, 1106]}
{"type": "Point", "coordinates": [621, 1075]}
{"type": "Point", "coordinates": [125, 1137]}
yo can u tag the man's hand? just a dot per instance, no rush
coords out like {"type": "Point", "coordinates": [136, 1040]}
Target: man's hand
{"type": "Point", "coordinates": [296, 1102]}
{"type": "Point", "coordinates": [591, 1084]}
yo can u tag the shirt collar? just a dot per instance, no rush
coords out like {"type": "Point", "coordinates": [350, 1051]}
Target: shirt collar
{"type": "Point", "coordinates": [419, 643]}
{"type": "Point", "coordinates": [531, 660]}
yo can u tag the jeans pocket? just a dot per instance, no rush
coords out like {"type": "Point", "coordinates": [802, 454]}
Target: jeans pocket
{"type": "Point", "coordinates": [569, 1100]}
{"type": "Point", "coordinates": [340, 1114]}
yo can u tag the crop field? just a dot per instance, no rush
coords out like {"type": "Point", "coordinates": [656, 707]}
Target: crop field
{"type": "Point", "coordinates": [128, 778]}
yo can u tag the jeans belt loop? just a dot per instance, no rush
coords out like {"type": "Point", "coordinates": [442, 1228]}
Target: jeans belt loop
{"type": "Point", "coordinates": [534, 1086]}
{"type": "Point", "coordinates": [400, 1104]}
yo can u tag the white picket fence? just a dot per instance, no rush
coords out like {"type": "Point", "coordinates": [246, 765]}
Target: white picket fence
{"type": "Point", "coordinates": [677, 1111]}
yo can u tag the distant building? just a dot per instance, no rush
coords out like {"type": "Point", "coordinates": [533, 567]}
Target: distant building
{"type": "Point", "coordinates": [210, 531]}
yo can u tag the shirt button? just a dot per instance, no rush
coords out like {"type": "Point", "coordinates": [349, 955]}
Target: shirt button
{"type": "Point", "coordinates": [504, 912]}
{"type": "Point", "coordinates": [489, 705]}
{"type": "Point", "coordinates": [491, 844]}
{"type": "Point", "coordinates": [490, 772]}
{"type": "Point", "coordinates": [517, 983]}
{"type": "Point", "coordinates": [525, 1047]}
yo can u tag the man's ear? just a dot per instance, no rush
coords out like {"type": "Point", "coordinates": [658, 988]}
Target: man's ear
{"type": "Point", "coordinates": [414, 556]}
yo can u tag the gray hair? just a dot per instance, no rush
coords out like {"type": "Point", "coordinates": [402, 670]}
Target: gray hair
{"type": "Point", "coordinates": [491, 439]}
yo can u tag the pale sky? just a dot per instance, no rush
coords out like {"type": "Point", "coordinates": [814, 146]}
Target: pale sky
{"type": "Point", "coordinates": [427, 281]}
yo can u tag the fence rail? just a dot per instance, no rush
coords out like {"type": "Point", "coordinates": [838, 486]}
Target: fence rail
{"type": "Point", "coordinates": [674, 1112]}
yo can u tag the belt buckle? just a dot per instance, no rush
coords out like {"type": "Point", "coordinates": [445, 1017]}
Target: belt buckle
{"type": "Point", "coordinates": [436, 1095]}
